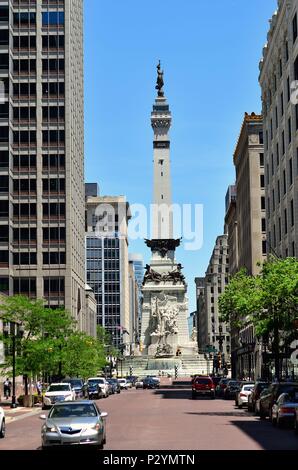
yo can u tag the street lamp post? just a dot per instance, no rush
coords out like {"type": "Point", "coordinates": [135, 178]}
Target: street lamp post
{"type": "Point", "coordinates": [7, 330]}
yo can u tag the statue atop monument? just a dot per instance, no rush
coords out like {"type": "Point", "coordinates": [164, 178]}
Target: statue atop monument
{"type": "Point", "coordinates": [159, 82]}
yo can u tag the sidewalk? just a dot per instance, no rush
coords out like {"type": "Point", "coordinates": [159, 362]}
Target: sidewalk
{"type": "Point", "coordinates": [20, 412]}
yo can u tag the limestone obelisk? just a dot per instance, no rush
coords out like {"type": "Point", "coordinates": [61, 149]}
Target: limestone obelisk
{"type": "Point", "coordinates": [165, 306]}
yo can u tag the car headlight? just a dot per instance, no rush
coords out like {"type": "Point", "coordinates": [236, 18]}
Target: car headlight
{"type": "Point", "coordinates": [50, 428]}
{"type": "Point", "coordinates": [96, 427]}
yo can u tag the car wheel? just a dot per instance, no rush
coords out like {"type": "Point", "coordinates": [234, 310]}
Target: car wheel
{"type": "Point", "coordinates": [2, 430]}
{"type": "Point", "coordinates": [274, 422]}
{"type": "Point", "coordinates": [279, 423]}
{"type": "Point", "coordinates": [270, 414]}
{"type": "Point", "coordinates": [193, 395]}
{"type": "Point", "coordinates": [296, 427]}
{"type": "Point", "coordinates": [100, 446]}
{"type": "Point", "coordinates": [262, 414]}
{"type": "Point", "coordinates": [240, 406]}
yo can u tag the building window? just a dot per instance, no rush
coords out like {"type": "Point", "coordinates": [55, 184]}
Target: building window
{"type": "Point", "coordinates": [261, 137]}
{"type": "Point", "coordinates": [263, 204]}
{"type": "Point", "coordinates": [291, 171]}
{"type": "Point", "coordinates": [292, 213]}
{"type": "Point", "coordinates": [261, 159]}
{"type": "Point", "coordinates": [55, 257]}
{"type": "Point", "coordinates": [24, 19]}
{"type": "Point", "coordinates": [262, 181]}
{"type": "Point", "coordinates": [263, 225]}
{"type": "Point", "coordinates": [283, 142]}
{"type": "Point", "coordinates": [278, 191]}
{"type": "Point", "coordinates": [294, 23]}
{"type": "Point", "coordinates": [288, 89]}
{"type": "Point", "coordinates": [282, 103]}
{"type": "Point", "coordinates": [24, 258]}
{"type": "Point", "coordinates": [286, 221]}
{"type": "Point", "coordinates": [24, 286]}
{"type": "Point", "coordinates": [290, 130]}
{"type": "Point", "coordinates": [285, 181]}
{"type": "Point", "coordinates": [53, 18]}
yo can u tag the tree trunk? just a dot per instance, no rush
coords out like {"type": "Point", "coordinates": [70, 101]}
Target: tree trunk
{"type": "Point", "coordinates": [276, 351]}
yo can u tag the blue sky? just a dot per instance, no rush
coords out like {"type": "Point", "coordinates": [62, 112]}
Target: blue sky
{"type": "Point", "coordinates": [210, 54]}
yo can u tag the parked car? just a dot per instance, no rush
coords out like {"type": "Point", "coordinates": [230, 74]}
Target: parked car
{"type": "Point", "coordinates": [110, 388]}
{"type": "Point", "coordinates": [80, 423]}
{"type": "Point", "coordinates": [95, 384]}
{"type": "Point", "coordinates": [274, 391]}
{"type": "Point", "coordinates": [149, 382]}
{"type": "Point", "coordinates": [283, 411]}
{"type": "Point", "coordinates": [94, 391]}
{"type": "Point", "coordinates": [132, 379]}
{"type": "Point", "coordinates": [78, 386]}
{"type": "Point", "coordinates": [203, 386]}
{"type": "Point", "coordinates": [139, 383]}
{"type": "Point", "coordinates": [114, 385]}
{"type": "Point", "coordinates": [221, 386]}
{"type": "Point", "coordinates": [2, 423]}
{"type": "Point", "coordinates": [123, 384]}
{"type": "Point", "coordinates": [255, 394]}
{"type": "Point", "coordinates": [243, 393]}
{"type": "Point", "coordinates": [58, 392]}
{"type": "Point", "coordinates": [155, 378]}
{"type": "Point", "coordinates": [129, 383]}
{"type": "Point", "coordinates": [231, 389]}
{"type": "Point", "coordinates": [243, 382]}
{"type": "Point", "coordinates": [257, 405]}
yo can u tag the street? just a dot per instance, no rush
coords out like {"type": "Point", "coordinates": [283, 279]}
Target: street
{"type": "Point", "coordinates": [167, 419]}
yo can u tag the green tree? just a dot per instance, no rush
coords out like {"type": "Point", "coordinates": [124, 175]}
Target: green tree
{"type": "Point", "coordinates": [269, 301]}
{"type": "Point", "coordinates": [82, 356]}
{"type": "Point", "coordinates": [45, 333]}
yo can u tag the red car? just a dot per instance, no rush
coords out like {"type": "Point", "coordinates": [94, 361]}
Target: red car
{"type": "Point", "coordinates": [203, 386]}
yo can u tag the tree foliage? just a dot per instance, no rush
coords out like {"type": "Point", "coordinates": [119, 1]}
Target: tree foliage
{"type": "Point", "coordinates": [268, 300]}
{"type": "Point", "coordinates": [51, 343]}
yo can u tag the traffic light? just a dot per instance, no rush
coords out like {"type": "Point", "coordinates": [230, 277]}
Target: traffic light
{"type": "Point", "coordinates": [176, 371]}
{"type": "Point", "coordinates": [130, 371]}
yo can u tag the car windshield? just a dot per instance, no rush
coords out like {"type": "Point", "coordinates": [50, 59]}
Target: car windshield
{"type": "Point", "coordinates": [75, 383]}
{"type": "Point", "coordinates": [203, 381]}
{"type": "Point", "coordinates": [73, 410]}
{"type": "Point", "coordinates": [121, 380]}
{"type": "Point", "coordinates": [93, 382]}
{"type": "Point", "coordinates": [232, 383]}
{"type": "Point", "coordinates": [58, 388]}
{"type": "Point", "coordinates": [248, 388]}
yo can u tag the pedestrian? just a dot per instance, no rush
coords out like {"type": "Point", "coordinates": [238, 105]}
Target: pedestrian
{"type": "Point", "coordinates": [39, 387]}
{"type": "Point", "coordinates": [7, 388]}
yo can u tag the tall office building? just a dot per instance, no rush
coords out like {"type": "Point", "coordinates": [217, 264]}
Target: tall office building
{"type": "Point", "coordinates": [107, 264]}
{"type": "Point", "coordinates": [211, 331]}
{"type": "Point", "coordinates": [42, 152]}
{"type": "Point", "coordinates": [278, 73]}
{"type": "Point", "coordinates": [138, 264]}
{"type": "Point", "coordinates": [250, 189]}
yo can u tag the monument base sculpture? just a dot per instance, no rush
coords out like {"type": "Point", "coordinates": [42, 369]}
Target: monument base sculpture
{"type": "Point", "coordinates": [165, 305]}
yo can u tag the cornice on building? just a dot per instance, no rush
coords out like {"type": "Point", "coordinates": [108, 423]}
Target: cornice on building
{"type": "Point", "coordinates": [249, 119]}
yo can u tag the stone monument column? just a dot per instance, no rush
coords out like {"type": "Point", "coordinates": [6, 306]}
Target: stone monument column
{"type": "Point", "coordinates": [165, 304]}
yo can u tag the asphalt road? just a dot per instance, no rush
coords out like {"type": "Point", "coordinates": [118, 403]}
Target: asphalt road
{"type": "Point", "coordinates": [168, 419]}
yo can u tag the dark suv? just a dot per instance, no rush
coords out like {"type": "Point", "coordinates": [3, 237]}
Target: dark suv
{"type": "Point", "coordinates": [203, 386]}
{"type": "Point", "coordinates": [255, 394]}
{"type": "Point", "coordinates": [274, 391]}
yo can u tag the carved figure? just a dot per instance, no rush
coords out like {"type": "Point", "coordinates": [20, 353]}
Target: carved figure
{"type": "Point", "coordinates": [159, 82]}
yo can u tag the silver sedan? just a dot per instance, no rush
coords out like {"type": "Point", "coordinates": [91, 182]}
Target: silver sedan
{"type": "Point", "coordinates": [283, 411]}
{"type": "Point", "coordinates": [74, 423]}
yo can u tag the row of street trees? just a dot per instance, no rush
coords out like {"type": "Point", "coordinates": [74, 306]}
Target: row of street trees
{"type": "Point", "coordinates": [51, 345]}
{"type": "Point", "coordinates": [268, 301]}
